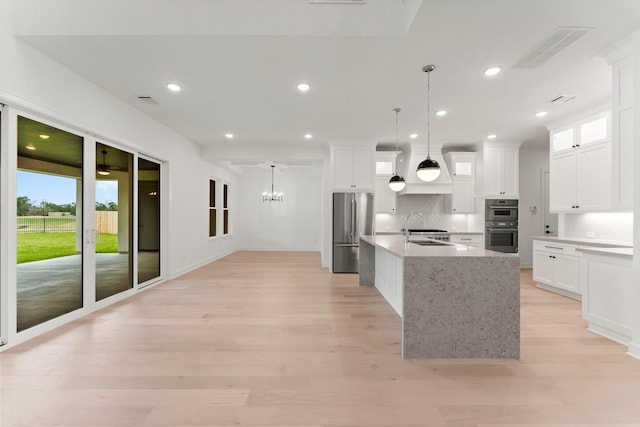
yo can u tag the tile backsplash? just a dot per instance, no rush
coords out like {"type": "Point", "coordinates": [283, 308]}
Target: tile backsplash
{"type": "Point", "coordinates": [432, 206]}
{"type": "Point", "coordinates": [604, 225]}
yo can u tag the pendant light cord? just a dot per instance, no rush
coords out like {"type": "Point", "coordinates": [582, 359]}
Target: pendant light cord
{"type": "Point", "coordinates": [272, 167]}
{"type": "Point", "coordinates": [428, 114]}
{"type": "Point", "coordinates": [397, 110]}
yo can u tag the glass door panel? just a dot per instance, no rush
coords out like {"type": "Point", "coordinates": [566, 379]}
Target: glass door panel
{"type": "Point", "coordinates": [114, 220]}
{"type": "Point", "coordinates": [148, 220]}
{"type": "Point", "coordinates": [49, 220]}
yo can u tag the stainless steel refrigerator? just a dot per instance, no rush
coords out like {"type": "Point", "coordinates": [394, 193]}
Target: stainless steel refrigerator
{"type": "Point", "coordinates": [352, 217]}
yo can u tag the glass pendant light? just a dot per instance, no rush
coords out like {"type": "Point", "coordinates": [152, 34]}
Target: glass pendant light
{"type": "Point", "coordinates": [428, 170]}
{"type": "Point", "coordinates": [396, 183]}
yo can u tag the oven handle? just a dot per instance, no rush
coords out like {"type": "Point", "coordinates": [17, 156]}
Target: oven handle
{"type": "Point", "coordinates": [502, 207]}
{"type": "Point", "coordinates": [502, 229]}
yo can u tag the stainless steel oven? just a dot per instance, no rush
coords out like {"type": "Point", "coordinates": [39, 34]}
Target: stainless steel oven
{"type": "Point", "coordinates": [502, 236]}
{"type": "Point", "coordinates": [501, 210]}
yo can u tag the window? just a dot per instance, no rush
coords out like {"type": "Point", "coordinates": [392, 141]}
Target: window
{"type": "Point", "coordinates": [225, 208]}
{"type": "Point", "coordinates": [212, 208]}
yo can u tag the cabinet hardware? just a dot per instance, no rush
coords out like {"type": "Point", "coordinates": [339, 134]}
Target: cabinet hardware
{"type": "Point", "coordinates": [554, 247]}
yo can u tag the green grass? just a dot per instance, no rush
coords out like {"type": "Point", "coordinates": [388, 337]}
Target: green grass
{"type": "Point", "coordinates": [39, 246]}
{"type": "Point", "coordinates": [35, 224]}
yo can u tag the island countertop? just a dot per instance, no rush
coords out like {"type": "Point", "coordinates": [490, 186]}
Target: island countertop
{"type": "Point", "coordinates": [396, 245]}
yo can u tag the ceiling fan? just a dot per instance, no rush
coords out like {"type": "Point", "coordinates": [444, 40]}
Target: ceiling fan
{"type": "Point", "coordinates": [103, 168]}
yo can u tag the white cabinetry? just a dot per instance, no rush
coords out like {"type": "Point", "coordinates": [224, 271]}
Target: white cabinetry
{"type": "Point", "coordinates": [580, 165]}
{"type": "Point", "coordinates": [501, 170]}
{"type": "Point", "coordinates": [462, 166]}
{"type": "Point", "coordinates": [384, 200]}
{"type": "Point", "coordinates": [352, 168]}
{"type": "Point", "coordinates": [473, 240]}
{"type": "Point", "coordinates": [607, 302]}
{"type": "Point", "coordinates": [389, 281]}
{"type": "Point", "coordinates": [556, 267]}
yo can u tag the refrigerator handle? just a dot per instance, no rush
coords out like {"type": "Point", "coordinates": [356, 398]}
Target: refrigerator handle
{"type": "Point", "coordinates": [354, 213]}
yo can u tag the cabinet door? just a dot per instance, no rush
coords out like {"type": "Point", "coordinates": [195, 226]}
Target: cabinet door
{"type": "Point", "coordinates": [510, 178]}
{"type": "Point", "coordinates": [543, 267]}
{"type": "Point", "coordinates": [567, 272]}
{"type": "Point", "coordinates": [343, 168]}
{"type": "Point", "coordinates": [363, 168]}
{"type": "Point", "coordinates": [562, 140]}
{"type": "Point", "coordinates": [594, 177]}
{"type": "Point", "coordinates": [462, 198]}
{"type": "Point", "coordinates": [492, 171]}
{"type": "Point", "coordinates": [562, 183]}
{"type": "Point", "coordinates": [384, 200]}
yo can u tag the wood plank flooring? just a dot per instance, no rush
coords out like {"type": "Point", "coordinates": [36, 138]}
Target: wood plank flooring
{"type": "Point", "coordinates": [272, 339]}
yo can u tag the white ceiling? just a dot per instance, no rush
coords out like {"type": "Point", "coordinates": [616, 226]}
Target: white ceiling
{"type": "Point", "coordinates": [239, 61]}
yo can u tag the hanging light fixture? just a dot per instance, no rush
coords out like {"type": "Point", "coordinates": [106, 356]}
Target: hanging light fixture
{"type": "Point", "coordinates": [428, 170]}
{"type": "Point", "coordinates": [103, 168]}
{"type": "Point", "coordinates": [273, 196]}
{"type": "Point", "coordinates": [396, 183]}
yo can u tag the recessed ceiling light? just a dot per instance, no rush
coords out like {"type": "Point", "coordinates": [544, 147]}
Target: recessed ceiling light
{"type": "Point", "coordinates": [492, 71]}
{"type": "Point", "coordinates": [541, 113]}
{"type": "Point", "coordinates": [229, 135]}
{"type": "Point", "coordinates": [308, 136]}
{"type": "Point", "coordinates": [174, 87]}
{"type": "Point", "coordinates": [492, 136]}
{"type": "Point", "coordinates": [303, 87]}
{"type": "Point", "coordinates": [441, 113]}
{"type": "Point", "coordinates": [413, 136]}
{"type": "Point", "coordinates": [29, 147]}
{"type": "Point", "coordinates": [44, 136]}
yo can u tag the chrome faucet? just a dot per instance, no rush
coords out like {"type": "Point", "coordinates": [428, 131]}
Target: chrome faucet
{"type": "Point", "coordinates": [406, 224]}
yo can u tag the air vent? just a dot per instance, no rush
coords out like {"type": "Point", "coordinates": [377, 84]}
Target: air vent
{"type": "Point", "coordinates": [148, 100]}
{"type": "Point", "coordinates": [337, 1]}
{"type": "Point", "coordinates": [561, 99]}
{"type": "Point", "coordinates": [561, 38]}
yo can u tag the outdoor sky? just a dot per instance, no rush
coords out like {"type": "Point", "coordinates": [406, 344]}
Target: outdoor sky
{"type": "Point", "coordinates": [40, 187]}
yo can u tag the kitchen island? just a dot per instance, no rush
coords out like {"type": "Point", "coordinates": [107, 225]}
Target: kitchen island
{"type": "Point", "coordinates": [455, 301]}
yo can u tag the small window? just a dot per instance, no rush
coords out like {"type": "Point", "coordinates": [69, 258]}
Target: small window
{"type": "Point", "coordinates": [212, 208]}
{"type": "Point", "coordinates": [225, 208]}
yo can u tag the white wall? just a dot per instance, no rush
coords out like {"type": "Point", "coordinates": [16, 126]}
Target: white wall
{"type": "Point", "coordinates": [294, 224]}
{"type": "Point", "coordinates": [604, 225]}
{"type": "Point", "coordinates": [34, 82]}
{"type": "Point", "coordinates": [532, 162]}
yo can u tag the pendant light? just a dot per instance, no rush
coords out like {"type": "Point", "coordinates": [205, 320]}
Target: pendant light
{"type": "Point", "coordinates": [396, 183]}
{"type": "Point", "coordinates": [428, 170]}
{"type": "Point", "coordinates": [273, 196]}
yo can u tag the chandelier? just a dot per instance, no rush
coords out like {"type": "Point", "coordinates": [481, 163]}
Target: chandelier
{"type": "Point", "coordinates": [273, 196]}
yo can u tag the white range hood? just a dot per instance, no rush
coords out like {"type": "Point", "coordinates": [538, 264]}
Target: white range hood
{"type": "Point", "coordinates": [408, 163]}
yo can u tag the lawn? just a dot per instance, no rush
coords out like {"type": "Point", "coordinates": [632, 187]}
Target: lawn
{"type": "Point", "coordinates": [39, 246]}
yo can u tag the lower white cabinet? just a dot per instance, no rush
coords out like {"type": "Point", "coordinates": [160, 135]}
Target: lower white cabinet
{"type": "Point", "coordinates": [556, 268]}
{"type": "Point", "coordinates": [473, 240]}
{"type": "Point", "coordinates": [607, 302]}
{"type": "Point", "coordinates": [390, 278]}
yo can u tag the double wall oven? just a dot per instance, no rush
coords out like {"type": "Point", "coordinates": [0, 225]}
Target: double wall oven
{"type": "Point", "coordinates": [501, 225]}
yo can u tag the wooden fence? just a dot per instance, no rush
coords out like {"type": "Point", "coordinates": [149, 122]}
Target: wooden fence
{"type": "Point", "coordinates": [107, 222]}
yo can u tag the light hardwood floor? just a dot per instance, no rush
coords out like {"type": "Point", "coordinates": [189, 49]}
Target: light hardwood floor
{"type": "Point", "coordinates": [272, 339]}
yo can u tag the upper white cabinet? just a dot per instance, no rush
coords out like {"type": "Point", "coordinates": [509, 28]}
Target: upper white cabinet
{"type": "Point", "coordinates": [501, 170]}
{"type": "Point", "coordinates": [580, 165]}
{"type": "Point", "coordinates": [385, 198]}
{"type": "Point", "coordinates": [462, 166]}
{"type": "Point", "coordinates": [622, 116]}
{"type": "Point", "coordinates": [352, 168]}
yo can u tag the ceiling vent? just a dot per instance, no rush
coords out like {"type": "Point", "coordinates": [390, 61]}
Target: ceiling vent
{"type": "Point", "coordinates": [337, 1]}
{"type": "Point", "coordinates": [148, 100]}
{"type": "Point", "coordinates": [561, 38]}
{"type": "Point", "coordinates": [562, 99]}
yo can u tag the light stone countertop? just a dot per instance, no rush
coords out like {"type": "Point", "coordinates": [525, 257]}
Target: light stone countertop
{"type": "Point", "coordinates": [396, 245]}
{"type": "Point", "coordinates": [618, 252]}
{"type": "Point", "coordinates": [392, 232]}
{"type": "Point", "coordinates": [602, 243]}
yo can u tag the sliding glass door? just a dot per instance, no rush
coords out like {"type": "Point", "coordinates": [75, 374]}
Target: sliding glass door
{"type": "Point", "coordinates": [49, 223]}
{"type": "Point", "coordinates": [148, 220]}
{"type": "Point", "coordinates": [114, 221]}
